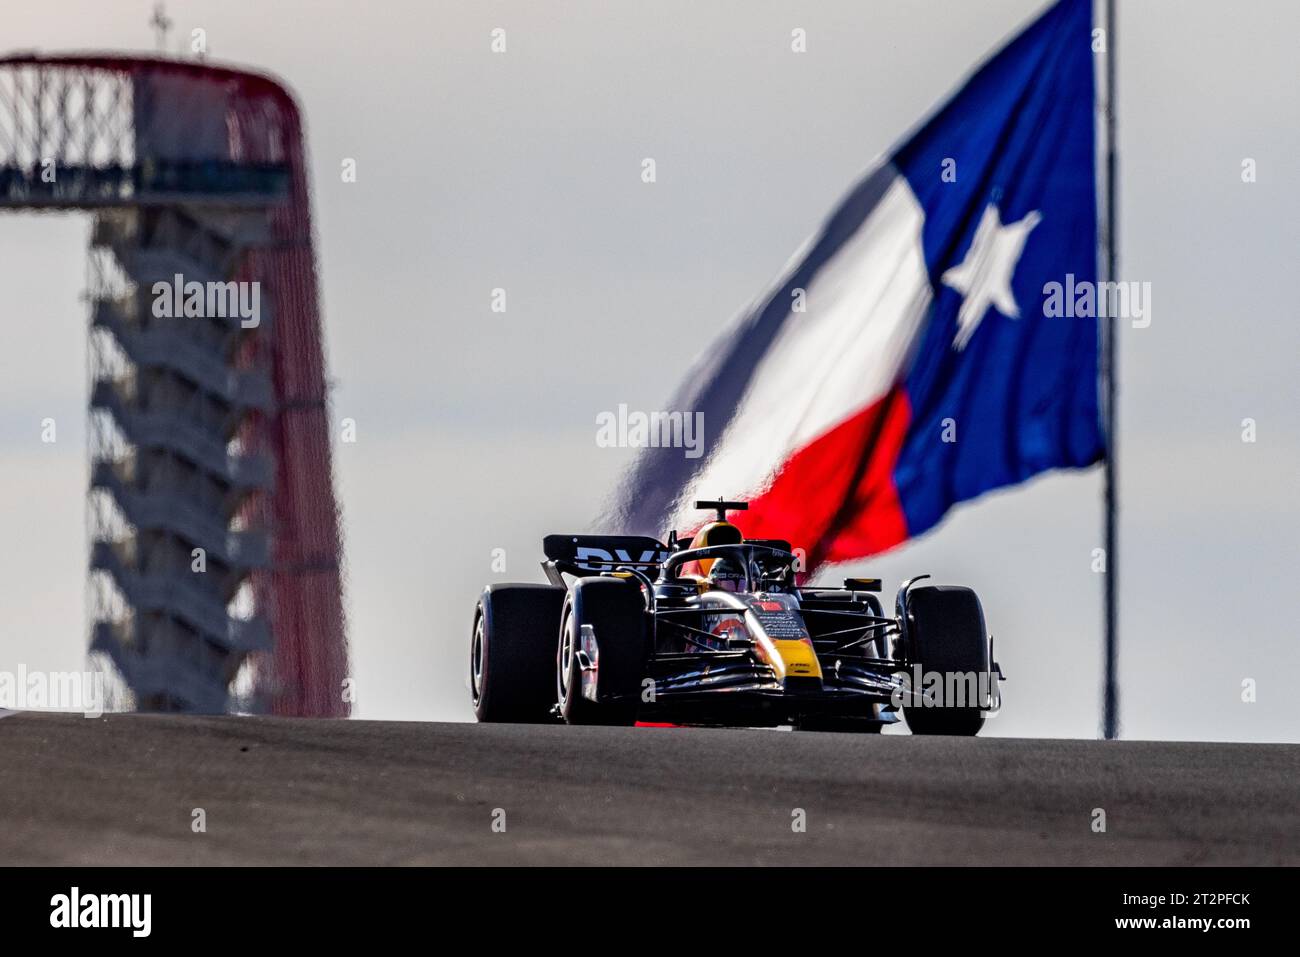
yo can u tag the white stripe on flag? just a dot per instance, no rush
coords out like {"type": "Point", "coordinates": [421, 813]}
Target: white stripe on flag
{"type": "Point", "coordinates": [865, 308]}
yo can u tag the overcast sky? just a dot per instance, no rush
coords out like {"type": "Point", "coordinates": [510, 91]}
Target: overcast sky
{"type": "Point", "coordinates": [521, 170]}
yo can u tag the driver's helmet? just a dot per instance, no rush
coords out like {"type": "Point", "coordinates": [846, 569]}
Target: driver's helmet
{"type": "Point", "coordinates": [714, 533]}
{"type": "Point", "coordinates": [726, 575]}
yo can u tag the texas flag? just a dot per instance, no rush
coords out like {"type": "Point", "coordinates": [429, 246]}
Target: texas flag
{"type": "Point", "coordinates": [903, 362]}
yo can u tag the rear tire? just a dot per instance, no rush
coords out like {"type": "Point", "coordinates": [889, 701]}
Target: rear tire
{"type": "Point", "coordinates": [945, 635]}
{"type": "Point", "coordinates": [510, 667]}
{"type": "Point", "coordinates": [615, 610]}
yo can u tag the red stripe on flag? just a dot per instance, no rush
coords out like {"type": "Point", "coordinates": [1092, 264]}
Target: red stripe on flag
{"type": "Point", "coordinates": [835, 498]}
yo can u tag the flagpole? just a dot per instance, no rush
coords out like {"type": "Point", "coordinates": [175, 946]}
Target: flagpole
{"type": "Point", "coordinates": [1110, 711]}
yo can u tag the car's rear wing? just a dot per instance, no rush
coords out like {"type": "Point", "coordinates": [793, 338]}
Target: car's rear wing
{"type": "Point", "coordinates": [593, 554]}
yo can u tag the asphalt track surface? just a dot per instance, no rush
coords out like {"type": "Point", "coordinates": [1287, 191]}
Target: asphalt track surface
{"type": "Point", "coordinates": [122, 790]}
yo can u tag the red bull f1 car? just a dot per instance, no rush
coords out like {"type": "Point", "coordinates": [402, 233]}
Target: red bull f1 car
{"type": "Point", "coordinates": [718, 631]}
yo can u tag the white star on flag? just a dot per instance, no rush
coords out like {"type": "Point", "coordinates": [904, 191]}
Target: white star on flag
{"type": "Point", "coordinates": [984, 277]}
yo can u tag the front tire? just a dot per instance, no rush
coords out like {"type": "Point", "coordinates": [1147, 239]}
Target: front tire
{"type": "Point", "coordinates": [945, 635]}
{"type": "Point", "coordinates": [615, 610]}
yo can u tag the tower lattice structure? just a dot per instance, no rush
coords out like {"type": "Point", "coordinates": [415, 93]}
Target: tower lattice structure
{"type": "Point", "coordinates": [214, 531]}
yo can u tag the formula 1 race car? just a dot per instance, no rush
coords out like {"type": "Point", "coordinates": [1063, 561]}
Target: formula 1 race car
{"type": "Point", "coordinates": [718, 632]}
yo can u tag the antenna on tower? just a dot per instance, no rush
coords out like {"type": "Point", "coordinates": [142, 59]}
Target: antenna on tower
{"type": "Point", "coordinates": [161, 23]}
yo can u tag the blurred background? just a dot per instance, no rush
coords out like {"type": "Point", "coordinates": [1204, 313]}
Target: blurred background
{"type": "Point", "coordinates": [475, 430]}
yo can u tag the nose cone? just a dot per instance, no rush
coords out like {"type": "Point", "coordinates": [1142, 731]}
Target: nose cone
{"type": "Point", "coordinates": [799, 669]}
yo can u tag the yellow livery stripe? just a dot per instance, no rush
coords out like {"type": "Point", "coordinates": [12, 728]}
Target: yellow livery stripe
{"type": "Point", "coordinates": [796, 658]}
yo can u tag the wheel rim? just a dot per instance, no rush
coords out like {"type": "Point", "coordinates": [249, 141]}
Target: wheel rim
{"type": "Point", "coordinates": [476, 662]}
{"type": "Point", "coordinates": [565, 660]}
